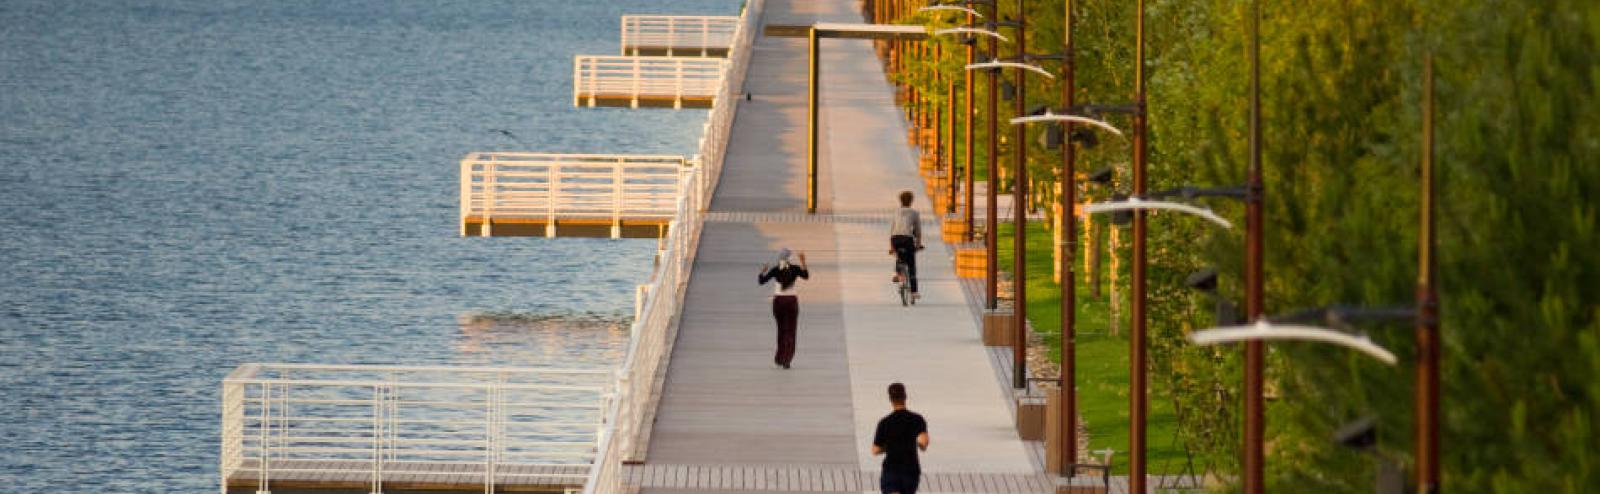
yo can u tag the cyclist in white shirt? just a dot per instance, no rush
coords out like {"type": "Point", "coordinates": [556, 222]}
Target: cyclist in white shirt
{"type": "Point", "coordinates": [905, 238]}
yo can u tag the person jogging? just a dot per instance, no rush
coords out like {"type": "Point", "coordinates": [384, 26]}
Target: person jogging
{"type": "Point", "coordinates": [900, 435]}
{"type": "Point", "coordinates": [785, 305]}
{"type": "Point", "coordinates": [905, 239]}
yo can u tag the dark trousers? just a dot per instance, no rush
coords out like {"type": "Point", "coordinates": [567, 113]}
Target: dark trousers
{"type": "Point", "coordinates": [786, 309]}
{"type": "Point", "coordinates": [905, 249]}
{"type": "Point", "coordinates": [899, 482]}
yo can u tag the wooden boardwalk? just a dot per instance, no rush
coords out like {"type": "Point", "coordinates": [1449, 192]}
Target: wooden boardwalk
{"type": "Point", "coordinates": [818, 478]}
{"type": "Point", "coordinates": [728, 419]}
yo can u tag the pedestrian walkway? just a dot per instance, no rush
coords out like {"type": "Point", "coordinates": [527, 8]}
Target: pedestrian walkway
{"type": "Point", "coordinates": [724, 403]}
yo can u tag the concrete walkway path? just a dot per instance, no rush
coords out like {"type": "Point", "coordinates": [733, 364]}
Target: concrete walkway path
{"type": "Point", "coordinates": [724, 402]}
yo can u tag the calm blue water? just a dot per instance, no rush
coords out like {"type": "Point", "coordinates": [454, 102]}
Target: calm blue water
{"type": "Point", "coordinates": [188, 185]}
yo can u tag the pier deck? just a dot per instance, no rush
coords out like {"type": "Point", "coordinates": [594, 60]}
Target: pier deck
{"type": "Point", "coordinates": [724, 405]}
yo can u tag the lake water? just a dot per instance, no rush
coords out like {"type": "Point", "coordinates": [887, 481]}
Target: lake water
{"type": "Point", "coordinates": [187, 185]}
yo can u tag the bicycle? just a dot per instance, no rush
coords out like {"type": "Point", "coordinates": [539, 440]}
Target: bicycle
{"type": "Point", "coordinates": [903, 276]}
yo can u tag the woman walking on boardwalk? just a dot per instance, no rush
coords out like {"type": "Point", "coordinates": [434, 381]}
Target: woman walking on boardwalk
{"type": "Point", "coordinates": [785, 305]}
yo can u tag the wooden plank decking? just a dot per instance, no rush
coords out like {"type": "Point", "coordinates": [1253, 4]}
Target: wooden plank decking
{"type": "Point", "coordinates": [818, 478]}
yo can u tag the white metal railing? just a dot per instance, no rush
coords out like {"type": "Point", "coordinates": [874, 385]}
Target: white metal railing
{"type": "Point", "coordinates": [662, 298]}
{"type": "Point", "coordinates": [635, 79]}
{"type": "Point", "coordinates": [301, 421]}
{"type": "Point", "coordinates": [552, 187]}
{"type": "Point", "coordinates": [678, 35]}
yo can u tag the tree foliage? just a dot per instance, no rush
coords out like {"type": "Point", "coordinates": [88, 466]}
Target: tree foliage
{"type": "Point", "coordinates": [1518, 154]}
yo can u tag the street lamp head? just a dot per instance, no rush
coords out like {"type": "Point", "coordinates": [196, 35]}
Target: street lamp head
{"type": "Point", "coordinates": [955, 8]}
{"type": "Point", "coordinates": [1360, 435]}
{"type": "Point", "coordinates": [969, 34]}
{"type": "Point", "coordinates": [1265, 331]}
{"type": "Point", "coordinates": [1121, 218]}
{"type": "Point", "coordinates": [1204, 280]}
{"type": "Point", "coordinates": [1085, 138]}
{"type": "Point", "coordinates": [1102, 176]}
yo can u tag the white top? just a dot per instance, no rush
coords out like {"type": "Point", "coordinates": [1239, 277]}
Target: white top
{"type": "Point", "coordinates": [906, 222]}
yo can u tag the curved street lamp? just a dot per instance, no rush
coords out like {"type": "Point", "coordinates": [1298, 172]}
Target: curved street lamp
{"type": "Point", "coordinates": [971, 30]}
{"type": "Point", "coordinates": [1009, 65]}
{"type": "Point", "coordinates": [1137, 204]}
{"type": "Point", "coordinates": [1266, 331]}
{"type": "Point", "coordinates": [1051, 117]}
{"type": "Point", "coordinates": [950, 7]}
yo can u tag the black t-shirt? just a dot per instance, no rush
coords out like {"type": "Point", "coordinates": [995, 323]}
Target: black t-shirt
{"type": "Point", "coordinates": [897, 435]}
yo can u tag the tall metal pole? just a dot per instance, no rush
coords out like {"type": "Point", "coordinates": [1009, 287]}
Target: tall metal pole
{"type": "Point", "coordinates": [991, 238]}
{"type": "Point", "coordinates": [1254, 352]}
{"type": "Point", "coordinates": [950, 146]}
{"type": "Point", "coordinates": [1069, 226]}
{"type": "Point", "coordinates": [811, 122]}
{"type": "Point", "coordinates": [1427, 385]}
{"type": "Point", "coordinates": [966, 88]}
{"type": "Point", "coordinates": [939, 115]}
{"type": "Point", "coordinates": [1019, 216]}
{"type": "Point", "coordinates": [1136, 381]}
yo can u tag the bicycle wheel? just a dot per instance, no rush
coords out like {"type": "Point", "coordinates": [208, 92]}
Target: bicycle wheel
{"type": "Point", "coordinates": [904, 285]}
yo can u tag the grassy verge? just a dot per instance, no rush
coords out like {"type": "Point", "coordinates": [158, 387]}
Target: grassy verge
{"type": "Point", "coordinates": [1102, 360]}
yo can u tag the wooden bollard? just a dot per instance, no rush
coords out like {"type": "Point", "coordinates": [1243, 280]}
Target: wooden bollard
{"type": "Point", "coordinates": [955, 229]}
{"type": "Point", "coordinates": [1030, 417]}
{"type": "Point", "coordinates": [997, 330]}
{"type": "Point", "coordinates": [971, 262]}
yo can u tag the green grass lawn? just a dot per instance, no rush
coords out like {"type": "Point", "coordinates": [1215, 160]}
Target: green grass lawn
{"type": "Point", "coordinates": [1102, 360]}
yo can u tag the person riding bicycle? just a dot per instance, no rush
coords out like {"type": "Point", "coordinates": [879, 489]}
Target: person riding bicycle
{"type": "Point", "coordinates": [905, 239]}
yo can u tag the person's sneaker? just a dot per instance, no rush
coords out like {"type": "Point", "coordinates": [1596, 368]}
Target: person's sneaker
{"type": "Point", "coordinates": [916, 296]}
{"type": "Point", "coordinates": [785, 366]}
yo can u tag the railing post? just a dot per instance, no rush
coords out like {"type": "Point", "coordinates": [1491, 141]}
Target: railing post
{"type": "Point", "coordinates": [263, 483]}
{"type": "Point", "coordinates": [636, 80]}
{"type": "Point", "coordinates": [554, 191]}
{"type": "Point", "coordinates": [625, 36]}
{"type": "Point", "coordinates": [377, 440]}
{"type": "Point", "coordinates": [466, 192]}
{"type": "Point", "coordinates": [677, 100]}
{"type": "Point", "coordinates": [672, 33]}
{"type": "Point", "coordinates": [488, 439]}
{"type": "Point", "coordinates": [616, 198]}
{"type": "Point", "coordinates": [489, 171]}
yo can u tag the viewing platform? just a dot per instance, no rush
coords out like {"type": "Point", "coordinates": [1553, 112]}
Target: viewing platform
{"type": "Point", "coordinates": [646, 82]}
{"type": "Point", "coordinates": [572, 195]}
{"type": "Point", "coordinates": [377, 428]}
{"type": "Point", "coordinates": [678, 35]}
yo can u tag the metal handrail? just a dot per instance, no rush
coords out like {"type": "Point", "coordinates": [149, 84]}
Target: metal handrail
{"type": "Point", "coordinates": [675, 33]}
{"type": "Point", "coordinates": [552, 187]}
{"type": "Point", "coordinates": [661, 299]}
{"type": "Point", "coordinates": [364, 418]}
{"type": "Point", "coordinates": [635, 78]}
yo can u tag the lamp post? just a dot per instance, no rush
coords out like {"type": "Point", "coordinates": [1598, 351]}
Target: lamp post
{"type": "Point", "coordinates": [991, 289]}
{"type": "Point", "coordinates": [1019, 215]}
{"type": "Point", "coordinates": [1136, 380]}
{"type": "Point", "coordinates": [1254, 353]}
{"type": "Point", "coordinates": [1068, 200]}
{"type": "Point", "coordinates": [1427, 385]}
{"type": "Point", "coordinates": [966, 89]}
